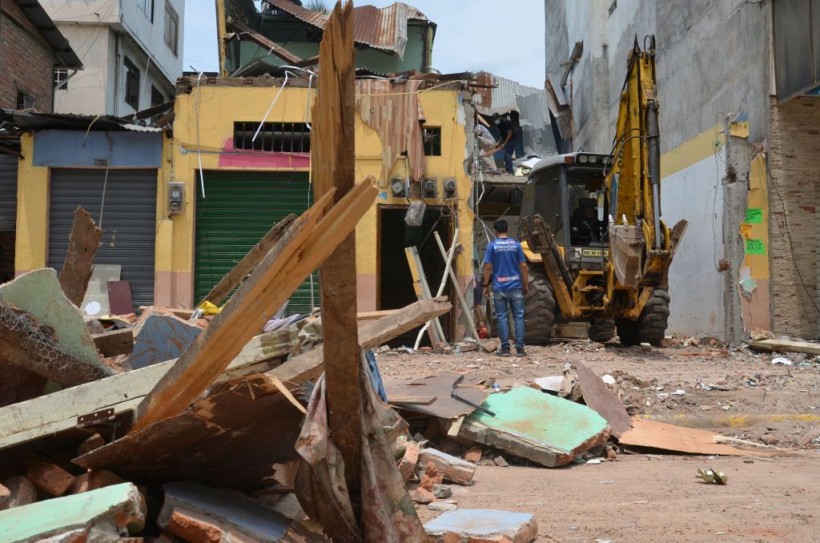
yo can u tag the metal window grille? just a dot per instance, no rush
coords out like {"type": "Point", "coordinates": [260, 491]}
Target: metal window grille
{"type": "Point", "coordinates": [61, 78]}
{"type": "Point", "coordinates": [132, 84]}
{"type": "Point", "coordinates": [24, 100]}
{"type": "Point", "coordinates": [431, 136]}
{"type": "Point", "coordinates": [171, 27]}
{"type": "Point", "coordinates": [274, 137]}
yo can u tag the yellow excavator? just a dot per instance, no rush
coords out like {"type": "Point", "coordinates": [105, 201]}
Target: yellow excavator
{"type": "Point", "coordinates": [597, 249]}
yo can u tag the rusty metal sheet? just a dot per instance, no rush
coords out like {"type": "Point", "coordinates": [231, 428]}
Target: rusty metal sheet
{"type": "Point", "coordinates": [438, 387]}
{"type": "Point", "coordinates": [604, 401]}
{"type": "Point", "coordinates": [231, 438]}
{"type": "Point", "coordinates": [392, 111]}
{"type": "Point", "coordinates": [536, 426]}
{"type": "Point", "coordinates": [384, 29]}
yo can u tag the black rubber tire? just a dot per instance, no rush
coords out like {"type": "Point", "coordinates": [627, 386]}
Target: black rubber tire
{"type": "Point", "coordinates": [539, 312]}
{"type": "Point", "coordinates": [650, 326]}
{"type": "Point", "coordinates": [601, 330]}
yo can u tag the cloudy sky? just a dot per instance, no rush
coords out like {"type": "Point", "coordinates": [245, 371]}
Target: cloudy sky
{"type": "Point", "coordinates": [472, 35]}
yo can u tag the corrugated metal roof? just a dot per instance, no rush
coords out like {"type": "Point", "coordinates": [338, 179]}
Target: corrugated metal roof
{"type": "Point", "coordinates": [384, 29]}
{"type": "Point", "coordinates": [532, 105]}
{"type": "Point", "coordinates": [65, 57]}
{"type": "Point", "coordinates": [30, 120]}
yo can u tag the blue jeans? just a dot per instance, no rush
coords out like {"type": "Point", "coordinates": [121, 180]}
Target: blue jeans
{"type": "Point", "coordinates": [515, 299]}
{"type": "Point", "coordinates": [509, 149]}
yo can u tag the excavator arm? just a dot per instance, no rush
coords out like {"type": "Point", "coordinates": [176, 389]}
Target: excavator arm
{"type": "Point", "coordinates": [642, 245]}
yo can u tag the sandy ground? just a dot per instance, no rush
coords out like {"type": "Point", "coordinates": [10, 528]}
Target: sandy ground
{"type": "Point", "coordinates": [649, 497]}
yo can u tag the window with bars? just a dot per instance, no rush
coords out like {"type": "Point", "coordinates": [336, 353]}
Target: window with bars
{"type": "Point", "coordinates": [431, 137]}
{"type": "Point", "coordinates": [273, 137]}
{"type": "Point", "coordinates": [24, 100]}
{"type": "Point", "coordinates": [157, 98]}
{"type": "Point", "coordinates": [61, 78]}
{"type": "Point", "coordinates": [171, 27]}
{"type": "Point", "coordinates": [132, 84]}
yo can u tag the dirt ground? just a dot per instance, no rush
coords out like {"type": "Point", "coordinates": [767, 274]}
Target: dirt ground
{"type": "Point", "coordinates": [647, 496]}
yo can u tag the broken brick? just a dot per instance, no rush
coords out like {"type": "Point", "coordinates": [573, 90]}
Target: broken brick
{"type": "Point", "coordinates": [431, 477]}
{"type": "Point", "coordinates": [49, 478]}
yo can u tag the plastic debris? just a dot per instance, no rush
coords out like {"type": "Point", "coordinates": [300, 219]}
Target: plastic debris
{"type": "Point", "coordinates": [782, 361]}
{"type": "Point", "coordinates": [712, 476]}
{"type": "Point", "coordinates": [608, 379]}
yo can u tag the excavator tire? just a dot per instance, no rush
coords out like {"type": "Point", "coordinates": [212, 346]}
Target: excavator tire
{"type": "Point", "coordinates": [650, 326]}
{"type": "Point", "coordinates": [539, 312]}
{"type": "Point", "coordinates": [601, 330]}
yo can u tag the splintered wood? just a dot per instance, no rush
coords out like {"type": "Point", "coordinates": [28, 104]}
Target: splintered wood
{"type": "Point", "coordinates": [82, 246]}
{"type": "Point", "coordinates": [332, 141]}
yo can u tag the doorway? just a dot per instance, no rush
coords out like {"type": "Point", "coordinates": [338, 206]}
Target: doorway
{"type": "Point", "coordinates": [395, 283]}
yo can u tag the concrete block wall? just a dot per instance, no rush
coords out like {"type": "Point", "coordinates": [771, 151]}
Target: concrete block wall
{"type": "Point", "coordinates": [794, 145]}
{"type": "Point", "coordinates": [26, 60]}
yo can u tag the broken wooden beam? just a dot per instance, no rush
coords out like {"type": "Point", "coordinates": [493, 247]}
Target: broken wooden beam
{"type": "Point", "coordinates": [114, 342]}
{"type": "Point", "coordinates": [101, 515]}
{"type": "Point", "coordinates": [248, 263]}
{"type": "Point", "coordinates": [422, 289]}
{"type": "Point", "coordinates": [82, 246]}
{"type": "Point", "coordinates": [310, 240]}
{"type": "Point", "coordinates": [786, 345]}
{"type": "Point", "coordinates": [271, 46]}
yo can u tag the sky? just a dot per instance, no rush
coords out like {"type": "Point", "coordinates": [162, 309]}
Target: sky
{"type": "Point", "coordinates": [471, 35]}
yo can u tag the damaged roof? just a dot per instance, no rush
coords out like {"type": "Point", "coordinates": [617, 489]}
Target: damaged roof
{"type": "Point", "coordinates": [65, 57]}
{"type": "Point", "coordinates": [29, 120]}
{"type": "Point", "coordinates": [384, 29]}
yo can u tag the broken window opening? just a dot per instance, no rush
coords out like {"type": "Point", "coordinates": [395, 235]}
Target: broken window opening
{"type": "Point", "coordinates": [61, 78]}
{"type": "Point", "coordinates": [431, 136]}
{"type": "Point", "coordinates": [273, 137]}
{"type": "Point", "coordinates": [132, 84]}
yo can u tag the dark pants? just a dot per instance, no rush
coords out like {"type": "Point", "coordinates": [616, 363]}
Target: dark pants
{"type": "Point", "coordinates": [515, 299]}
{"type": "Point", "coordinates": [509, 149]}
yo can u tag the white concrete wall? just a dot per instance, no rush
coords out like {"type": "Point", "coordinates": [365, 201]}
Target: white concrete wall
{"type": "Point", "coordinates": [90, 90]}
{"type": "Point", "coordinates": [84, 11]}
{"type": "Point", "coordinates": [149, 76]}
{"type": "Point", "coordinates": [151, 36]}
{"type": "Point", "coordinates": [695, 286]}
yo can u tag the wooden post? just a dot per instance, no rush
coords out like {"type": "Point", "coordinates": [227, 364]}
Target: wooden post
{"type": "Point", "coordinates": [332, 149]}
{"type": "Point", "coordinates": [434, 329]}
{"type": "Point", "coordinates": [82, 246]}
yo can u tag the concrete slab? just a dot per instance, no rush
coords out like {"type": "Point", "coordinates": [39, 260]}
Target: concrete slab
{"type": "Point", "coordinates": [540, 427]}
{"type": "Point", "coordinates": [485, 525]}
{"type": "Point", "coordinates": [158, 338]}
{"type": "Point", "coordinates": [114, 509]}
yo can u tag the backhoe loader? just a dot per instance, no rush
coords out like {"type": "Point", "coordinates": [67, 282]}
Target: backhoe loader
{"type": "Point", "coordinates": [592, 232]}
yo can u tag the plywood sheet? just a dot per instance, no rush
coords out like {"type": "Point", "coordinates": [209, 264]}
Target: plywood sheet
{"type": "Point", "coordinates": [438, 386]}
{"type": "Point", "coordinates": [604, 401]}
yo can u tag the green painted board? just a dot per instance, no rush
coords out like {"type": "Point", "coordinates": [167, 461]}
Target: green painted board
{"type": "Point", "coordinates": [118, 503]}
{"type": "Point", "coordinates": [537, 426]}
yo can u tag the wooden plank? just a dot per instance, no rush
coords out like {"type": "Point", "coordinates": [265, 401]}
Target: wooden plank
{"type": "Point", "coordinates": [786, 345]}
{"type": "Point", "coordinates": [604, 401]}
{"type": "Point", "coordinates": [285, 267]}
{"type": "Point", "coordinates": [56, 412]}
{"type": "Point", "coordinates": [373, 315]}
{"type": "Point", "coordinates": [250, 261]}
{"type": "Point", "coordinates": [466, 310]}
{"type": "Point", "coordinates": [452, 468]}
{"type": "Point", "coordinates": [658, 435]}
{"type": "Point", "coordinates": [249, 33]}
{"type": "Point", "coordinates": [435, 332]}
{"type": "Point", "coordinates": [332, 141]}
{"type": "Point", "coordinates": [400, 399]}
{"type": "Point", "coordinates": [82, 246]}
{"type": "Point", "coordinates": [114, 342]}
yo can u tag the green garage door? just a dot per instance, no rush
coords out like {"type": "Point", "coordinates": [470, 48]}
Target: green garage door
{"type": "Point", "coordinates": [238, 209]}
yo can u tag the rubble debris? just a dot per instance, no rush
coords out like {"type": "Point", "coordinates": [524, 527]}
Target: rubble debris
{"type": "Point", "coordinates": [442, 492]}
{"type": "Point", "coordinates": [114, 342]}
{"type": "Point", "coordinates": [781, 361]}
{"type": "Point", "coordinates": [309, 241]}
{"type": "Point", "coordinates": [473, 455]}
{"type": "Point", "coordinates": [42, 332]}
{"type": "Point", "coordinates": [100, 515]}
{"type": "Point", "coordinates": [198, 513]}
{"type": "Point", "coordinates": [452, 468]}
{"type": "Point", "coordinates": [500, 462]}
{"type": "Point", "coordinates": [159, 337]}
{"type": "Point", "coordinates": [21, 492]}
{"type": "Point", "coordinates": [604, 401]}
{"type": "Point", "coordinates": [95, 302]}
{"type": "Point", "coordinates": [536, 426]}
{"type": "Point", "coordinates": [786, 345]}
{"type": "Point", "coordinates": [407, 465]}
{"type": "Point", "coordinates": [94, 479]}
{"type": "Point", "coordinates": [422, 495]}
{"type": "Point", "coordinates": [551, 383]}
{"type": "Point", "coordinates": [439, 386]}
{"type": "Point", "coordinates": [48, 478]}
{"type": "Point", "coordinates": [712, 476]}
{"type": "Point", "coordinates": [659, 435]}
{"type": "Point", "coordinates": [431, 477]}
{"type": "Point", "coordinates": [77, 266]}
{"type": "Point", "coordinates": [486, 525]}
{"type": "Point", "coordinates": [441, 507]}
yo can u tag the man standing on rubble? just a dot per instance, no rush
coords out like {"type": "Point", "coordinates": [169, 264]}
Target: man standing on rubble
{"type": "Point", "coordinates": [506, 268]}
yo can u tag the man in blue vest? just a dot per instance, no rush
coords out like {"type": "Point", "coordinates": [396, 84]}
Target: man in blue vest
{"type": "Point", "coordinates": [506, 268]}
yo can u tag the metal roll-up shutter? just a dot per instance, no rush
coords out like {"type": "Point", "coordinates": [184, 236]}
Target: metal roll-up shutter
{"type": "Point", "coordinates": [8, 193]}
{"type": "Point", "coordinates": [128, 221]}
{"type": "Point", "coordinates": [238, 209]}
